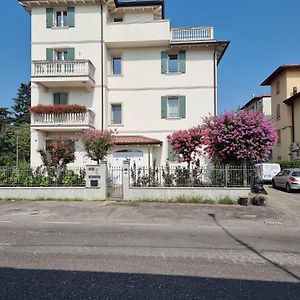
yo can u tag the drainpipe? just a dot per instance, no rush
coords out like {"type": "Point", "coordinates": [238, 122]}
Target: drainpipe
{"type": "Point", "coordinates": [102, 70]}
{"type": "Point", "coordinates": [215, 82]}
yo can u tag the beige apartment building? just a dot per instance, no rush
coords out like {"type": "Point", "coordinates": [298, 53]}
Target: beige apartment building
{"type": "Point", "coordinates": [285, 90]}
{"type": "Point", "coordinates": [122, 60]}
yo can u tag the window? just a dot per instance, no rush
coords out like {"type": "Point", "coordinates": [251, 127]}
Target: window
{"type": "Point", "coordinates": [52, 142]}
{"type": "Point", "coordinates": [60, 98]}
{"type": "Point", "coordinates": [279, 136]}
{"type": "Point", "coordinates": [277, 87]}
{"type": "Point", "coordinates": [171, 155]}
{"type": "Point", "coordinates": [116, 114]}
{"type": "Point", "coordinates": [61, 18]}
{"type": "Point", "coordinates": [118, 19]}
{"type": "Point", "coordinates": [61, 54]}
{"type": "Point", "coordinates": [173, 63]}
{"type": "Point", "coordinates": [173, 107]}
{"type": "Point", "coordinates": [116, 65]}
{"type": "Point", "coordinates": [278, 111]}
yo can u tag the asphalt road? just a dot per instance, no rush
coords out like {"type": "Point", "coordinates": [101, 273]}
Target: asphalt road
{"type": "Point", "coordinates": [94, 250]}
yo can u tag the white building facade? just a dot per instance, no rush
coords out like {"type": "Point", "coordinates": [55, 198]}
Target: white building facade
{"type": "Point", "coordinates": [134, 73]}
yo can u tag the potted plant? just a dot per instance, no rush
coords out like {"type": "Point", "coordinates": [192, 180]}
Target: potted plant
{"type": "Point", "coordinates": [243, 201]}
{"type": "Point", "coordinates": [258, 199]}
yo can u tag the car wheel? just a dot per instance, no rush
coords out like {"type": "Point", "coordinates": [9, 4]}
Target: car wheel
{"type": "Point", "coordinates": [288, 188]}
{"type": "Point", "coordinates": [273, 184]}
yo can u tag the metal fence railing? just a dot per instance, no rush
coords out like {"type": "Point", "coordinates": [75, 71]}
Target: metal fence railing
{"type": "Point", "coordinates": [42, 177]}
{"type": "Point", "coordinates": [179, 176]}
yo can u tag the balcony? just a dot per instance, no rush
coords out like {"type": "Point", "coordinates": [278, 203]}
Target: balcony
{"type": "Point", "coordinates": [65, 121]}
{"type": "Point", "coordinates": [197, 34]}
{"type": "Point", "coordinates": [139, 33]}
{"type": "Point", "coordinates": [62, 74]}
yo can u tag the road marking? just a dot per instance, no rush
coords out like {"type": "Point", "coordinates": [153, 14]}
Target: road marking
{"type": "Point", "coordinates": [5, 221]}
{"type": "Point", "coordinates": [75, 223]}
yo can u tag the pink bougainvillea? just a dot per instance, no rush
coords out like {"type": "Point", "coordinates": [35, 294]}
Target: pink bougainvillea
{"type": "Point", "coordinates": [97, 143]}
{"type": "Point", "coordinates": [186, 144]}
{"type": "Point", "coordinates": [239, 136]}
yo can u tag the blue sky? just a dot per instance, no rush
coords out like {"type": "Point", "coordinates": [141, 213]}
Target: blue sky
{"type": "Point", "coordinates": [263, 33]}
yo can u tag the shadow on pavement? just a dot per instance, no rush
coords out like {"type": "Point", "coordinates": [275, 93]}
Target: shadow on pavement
{"type": "Point", "coordinates": [53, 284]}
{"type": "Point", "coordinates": [213, 216]}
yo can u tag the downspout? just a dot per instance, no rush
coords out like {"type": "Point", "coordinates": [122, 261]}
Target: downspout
{"type": "Point", "coordinates": [215, 82]}
{"type": "Point", "coordinates": [102, 70]}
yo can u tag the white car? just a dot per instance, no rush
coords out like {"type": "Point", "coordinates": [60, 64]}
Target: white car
{"type": "Point", "coordinates": [289, 179]}
{"type": "Point", "coordinates": [266, 171]}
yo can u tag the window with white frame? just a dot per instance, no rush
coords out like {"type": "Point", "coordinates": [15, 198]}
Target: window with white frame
{"type": "Point", "coordinates": [116, 114]}
{"type": "Point", "coordinates": [173, 109]}
{"type": "Point", "coordinates": [61, 54]}
{"type": "Point", "coordinates": [173, 63]}
{"type": "Point", "coordinates": [116, 65]}
{"type": "Point", "coordinates": [61, 18]}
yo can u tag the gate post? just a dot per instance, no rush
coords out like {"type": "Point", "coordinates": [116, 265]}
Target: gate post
{"type": "Point", "coordinates": [126, 179]}
{"type": "Point", "coordinates": [103, 178]}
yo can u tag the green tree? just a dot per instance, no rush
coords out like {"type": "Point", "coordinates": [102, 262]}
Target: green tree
{"type": "Point", "coordinates": [21, 106]}
{"type": "Point", "coordinates": [20, 140]}
{"type": "Point", "coordinates": [5, 118]}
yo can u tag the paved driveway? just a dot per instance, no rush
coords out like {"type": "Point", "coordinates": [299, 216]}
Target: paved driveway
{"type": "Point", "coordinates": [287, 203]}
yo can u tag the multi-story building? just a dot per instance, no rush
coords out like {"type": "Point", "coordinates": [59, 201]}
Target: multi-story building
{"type": "Point", "coordinates": [260, 103]}
{"type": "Point", "coordinates": [285, 84]}
{"type": "Point", "coordinates": [122, 60]}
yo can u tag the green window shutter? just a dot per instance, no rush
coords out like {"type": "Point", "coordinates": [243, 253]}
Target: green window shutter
{"type": "Point", "coordinates": [49, 17]}
{"type": "Point", "coordinates": [171, 155]}
{"type": "Point", "coordinates": [49, 54]}
{"type": "Point", "coordinates": [71, 53]}
{"type": "Point", "coordinates": [63, 98]}
{"type": "Point", "coordinates": [182, 106]}
{"type": "Point", "coordinates": [71, 16]}
{"type": "Point", "coordinates": [164, 62]}
{"type": "Point", "coordinates": [163, 107]}
{"type": "Point", "coordinates": [182, 61]}
{"type": "Point", "coordinates": [56, 99]}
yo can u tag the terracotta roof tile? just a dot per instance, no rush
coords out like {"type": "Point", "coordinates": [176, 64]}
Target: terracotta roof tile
{"type": "Point", "coordinates": [135, 140]}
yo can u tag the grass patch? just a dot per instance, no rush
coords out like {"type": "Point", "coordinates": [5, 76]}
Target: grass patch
{"type": "Point", "coordinates": [226, 200]}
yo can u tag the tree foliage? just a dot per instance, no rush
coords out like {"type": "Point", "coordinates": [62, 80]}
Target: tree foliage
{"type": "Point", "coordinates": [97, 143]}
{"type": "Point", "coordinates": [22, 104]}
{"type": "Point", "coordinates": [57, 155]}
{"type": "Point", "coordinates": [186, 144]}
{"type": "Point", "coordinates": [239, 136]}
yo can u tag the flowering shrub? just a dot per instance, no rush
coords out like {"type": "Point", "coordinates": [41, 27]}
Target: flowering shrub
{"type": "Point", "coordinates": [186, 144]}
{"type": "Point", "coordinates": [97, 143]}
{"type": "Point", "coordinates": [240, 136]}
{"type": "Point", "coordinates": [58, 155]}
{"type": "Point", "coordinates": [56, 109]}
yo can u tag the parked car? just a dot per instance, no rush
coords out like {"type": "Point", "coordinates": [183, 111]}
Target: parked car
{"type": "Point", "coordinates": [264, 172]}
{"type": "Point", "coordinates": [288, 179]}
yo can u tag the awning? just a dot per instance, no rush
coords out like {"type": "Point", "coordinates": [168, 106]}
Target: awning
{"type": "Point", "coordinates": [135, 140]}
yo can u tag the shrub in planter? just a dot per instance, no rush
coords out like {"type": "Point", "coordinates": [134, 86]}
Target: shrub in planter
{"type": "Point", "coordinates": [258, 199]}
{"type": "Point", "coordinates": [56, 109]}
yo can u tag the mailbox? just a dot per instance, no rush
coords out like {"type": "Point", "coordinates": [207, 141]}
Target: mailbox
{"type": "Point", "coordinates": [93, 177]}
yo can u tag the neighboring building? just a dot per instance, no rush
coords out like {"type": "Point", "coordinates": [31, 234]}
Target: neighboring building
{"type": "Point", "coordinates": [285, 84]}
{"type": "Point", "coordinates": [260, 103]}
{"type": "Point", "coordinates": [124, 62]}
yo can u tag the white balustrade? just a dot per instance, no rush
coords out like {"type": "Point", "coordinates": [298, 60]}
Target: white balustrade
{"type": "Point", "coordinates": [63, 68]}
{"type": "Point", "coordinates": [192, 34]}
{"type": "Point", "coordinates": [64, 119]}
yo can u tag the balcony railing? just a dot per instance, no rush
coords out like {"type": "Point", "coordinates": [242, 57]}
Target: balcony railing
{"type": "Point", "coordinates": [192, 34]}
{"type": "Point", "coordinates": [63, 68]}
{"type": "Point", "coordinates": [86, 119]}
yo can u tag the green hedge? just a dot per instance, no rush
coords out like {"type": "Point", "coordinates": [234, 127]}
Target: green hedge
{"type": "Point", "coordinates": [288, 164]}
